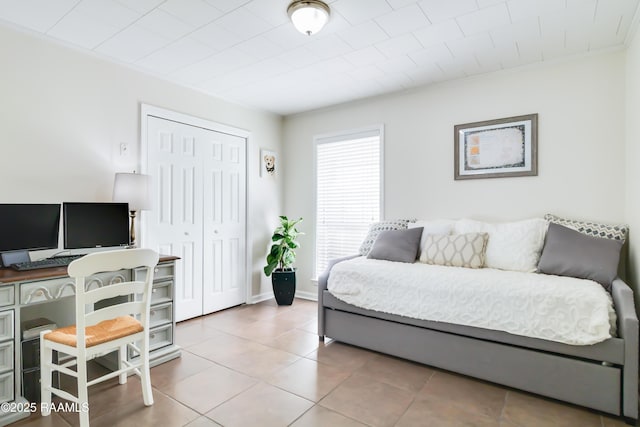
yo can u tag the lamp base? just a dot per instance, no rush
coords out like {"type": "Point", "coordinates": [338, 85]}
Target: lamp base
{"type": "Point", "coordinates": [132, 229]}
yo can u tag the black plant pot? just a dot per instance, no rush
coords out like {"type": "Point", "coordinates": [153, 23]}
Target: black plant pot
{"type": "Point", "coordinates": [284, 286]}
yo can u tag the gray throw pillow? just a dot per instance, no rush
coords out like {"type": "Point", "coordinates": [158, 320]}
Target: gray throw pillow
{"type": "Point", "coordinates": [376, 228]}
{"type": "Point", "coordinates": [567, 252]}
{"type": "Point", "coordinates": [397, 245]}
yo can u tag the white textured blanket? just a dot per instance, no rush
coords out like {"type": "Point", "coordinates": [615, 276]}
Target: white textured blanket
{"type": "Point", "coordinates": [562, 309]}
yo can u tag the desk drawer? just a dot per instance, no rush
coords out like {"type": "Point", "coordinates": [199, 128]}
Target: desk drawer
{"type": "Point", "coordinates": [6, 356]}
{"type": "Point", "coordinates": [6, 295]}
{"type": "Point", "coordinates": [160, 337]}
{"type": "Point", "coordinates": [6, 325]}
{"type": "Point", "coordinates": [162, 271]}
{"type": "Point", "coordinates": [6, 387]}
{"type": "Point", "coordinates": [54, 289]}
{"type": "Point", "coordinates": [161, 313]}
{"type": "Point", "coordinates": [162, 292]}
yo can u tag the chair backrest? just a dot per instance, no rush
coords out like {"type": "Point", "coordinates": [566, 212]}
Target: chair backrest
{"type": "Point", "coordinates": [139, 292]}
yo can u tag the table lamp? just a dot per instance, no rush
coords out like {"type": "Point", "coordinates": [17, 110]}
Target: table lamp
{"type": "Point", "coordinates": [132, 188]}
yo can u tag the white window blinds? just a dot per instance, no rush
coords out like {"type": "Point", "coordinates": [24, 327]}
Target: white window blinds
{"type": "Point", "coordinates": [348, 192]}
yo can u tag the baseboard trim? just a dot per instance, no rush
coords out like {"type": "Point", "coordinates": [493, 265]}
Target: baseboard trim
{"type": "Point", "coordinates": [307, 295]}
{"type": "Point", "coordinates": [255, 299]}
{"type": "Point", "coordinates": [260, 297]}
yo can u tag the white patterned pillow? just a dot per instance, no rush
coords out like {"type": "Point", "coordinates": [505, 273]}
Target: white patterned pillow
{"type": "Point", "coordinates": [613, 232]}
{"type": "Point", "coordinates": [376, 228]}
{"type": "Point", "coordinates": [512, 245]}
{"type": "Point", "coordinates": [455, 250]}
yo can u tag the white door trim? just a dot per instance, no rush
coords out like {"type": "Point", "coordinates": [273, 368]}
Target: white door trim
{"type": "Point", "coordinates": [147, 110]}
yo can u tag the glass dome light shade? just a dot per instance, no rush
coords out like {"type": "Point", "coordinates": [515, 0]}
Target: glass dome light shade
{"type": "Point", "coordinates": [308, 16]}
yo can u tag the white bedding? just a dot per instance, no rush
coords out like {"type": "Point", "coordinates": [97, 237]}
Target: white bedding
{"type": "Point", "coordinates": [562, 309]}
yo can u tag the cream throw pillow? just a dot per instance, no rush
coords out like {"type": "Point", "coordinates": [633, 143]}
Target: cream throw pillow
{"type": "Point", "coordinates": [456, 250]}
{"type": "Point", "coordinates": [512, 246]}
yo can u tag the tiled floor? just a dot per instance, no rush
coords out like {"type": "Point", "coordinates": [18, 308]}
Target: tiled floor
{"type": "Point", "coordinates": [263, 365]}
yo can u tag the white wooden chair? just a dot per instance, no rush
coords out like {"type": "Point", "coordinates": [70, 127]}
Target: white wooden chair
{"type": "Point", "coordinates": [98, 332]}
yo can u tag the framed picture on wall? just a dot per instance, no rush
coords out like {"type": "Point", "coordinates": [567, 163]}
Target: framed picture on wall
{"type": "Point", "coordinates": [496, 148]}
{"type": "Point", "coordinates": [268, 163]}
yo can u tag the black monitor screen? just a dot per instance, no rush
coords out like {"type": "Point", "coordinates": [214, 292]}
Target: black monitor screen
{"type": "Point", "coordinates": [95, 225]}
{"type": "Point", "coordinates": [29, 226]}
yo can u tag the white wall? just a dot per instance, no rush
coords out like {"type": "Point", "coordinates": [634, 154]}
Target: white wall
{"type": "Point", "coordinates": [64, 114]}
{"type": "Point", "coordinates": [581, 107]}
{"type": "Point", "coordinates": [632, 212]}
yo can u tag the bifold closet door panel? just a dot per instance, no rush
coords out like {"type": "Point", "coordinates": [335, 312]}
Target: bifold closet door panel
{"type": "Point", "coordinates": [175, 221]}
{"type": "Point", "coordinates": [224, 222]}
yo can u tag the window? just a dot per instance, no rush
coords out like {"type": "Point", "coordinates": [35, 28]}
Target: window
{"type": "Point", "coordinates": [348, 192]}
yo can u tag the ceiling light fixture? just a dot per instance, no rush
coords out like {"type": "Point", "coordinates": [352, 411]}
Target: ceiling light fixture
{"type": "Point", "coordinates": [308, 16]}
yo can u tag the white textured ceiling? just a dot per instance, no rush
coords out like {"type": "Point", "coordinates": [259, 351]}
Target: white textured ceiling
{"type": "Point", "coordinates": [247, 51]}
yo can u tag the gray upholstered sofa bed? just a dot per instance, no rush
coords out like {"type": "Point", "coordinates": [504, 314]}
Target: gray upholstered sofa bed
{"type": "Point", "coordinates": [603, 376]}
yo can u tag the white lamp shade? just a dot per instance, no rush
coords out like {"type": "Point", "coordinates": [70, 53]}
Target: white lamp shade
{"type": "Point", "coordinates": [308, 17]}
{"type": "Point", "coordinates": [132, 188]}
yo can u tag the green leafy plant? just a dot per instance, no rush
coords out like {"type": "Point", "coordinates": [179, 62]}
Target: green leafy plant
{"type": "Point", "coordinates": [282, 254]}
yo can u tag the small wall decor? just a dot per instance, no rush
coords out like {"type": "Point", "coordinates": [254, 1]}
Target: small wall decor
{"type": "Point", "coordinates": [268, 163]}
{"type": "Point", "coordinates": [497, 148]}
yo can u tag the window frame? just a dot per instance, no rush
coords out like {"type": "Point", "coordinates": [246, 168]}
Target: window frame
{"type": "Point", "coordinates": [338, 136]}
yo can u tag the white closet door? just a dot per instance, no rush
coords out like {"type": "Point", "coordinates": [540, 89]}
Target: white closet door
{"type": "Point", "coordinates": [199, 213]}
{"type": "Point", "coordinates": [175, 221]}
{"type": "Point", "coordinates": [224, 222]}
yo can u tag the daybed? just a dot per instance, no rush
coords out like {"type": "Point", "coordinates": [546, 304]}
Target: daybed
{"type": "Point", "coordinates": [602, 376]}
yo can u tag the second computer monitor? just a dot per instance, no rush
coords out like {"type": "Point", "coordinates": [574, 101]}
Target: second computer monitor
{"type": "Point", "coordinates": [95, 225]}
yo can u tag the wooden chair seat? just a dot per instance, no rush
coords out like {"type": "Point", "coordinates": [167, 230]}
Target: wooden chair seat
{"type": "Point", "coordinates": [107, 330]}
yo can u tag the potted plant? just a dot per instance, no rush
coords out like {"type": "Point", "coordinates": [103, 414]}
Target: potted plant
{"type": "Point", "coordinates": [281, 258]}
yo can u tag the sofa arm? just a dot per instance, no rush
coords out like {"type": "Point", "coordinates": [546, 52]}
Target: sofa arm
{"type": "Point", "coordinates": [322, 286]}
{"type": "Point", "coordinates": [628, 330]}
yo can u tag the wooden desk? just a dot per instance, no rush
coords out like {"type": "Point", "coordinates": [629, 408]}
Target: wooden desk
{"type": "Point", "coordinates": [26, 295]}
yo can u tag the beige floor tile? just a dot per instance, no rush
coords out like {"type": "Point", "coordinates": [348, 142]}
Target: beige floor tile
{"type": "Point", "coordinates": [164, 412]}
{"type": "Point", "coordinates": [259, 363]}
{"type": "Point", "coordinates": [190, 333]}
{"type": "Point", "coordinates": [298, 316]}
{"type": "Point", "coordinates": [433, 412]}
{"type": "Point", "coordinates": [264, 331]}
{"type": "Point", "coordinates": [178, 369]}
{"type": "Point", "coordinates": [340, 355]}
{"type": "Point", "coordinates": [397, 372]}
{"type": "Point", "coordinates": [308, 379]}
{"type": "Point", "coordinates": [203, 422]}
{"type": "Point", "coordinates": [368, 401]}
{"type": "Point", "coordinates": [613, 422]}
{"type": "Point", "coordinates": [224, 347]}
{"type": "Point", "coordinates": [262, 405]}
{"type": "Point", "coordinates": [323, 417]}
{"type": "Point", "coordinates": [528, 410]}
{"type": "Point", "coordinates": [311, 327]}
{"type": "Point", "coordinates": [466, 393]}
{"type": "Point", "coordinates": [228, 325]}
{"type": "Point", "coordinates": [265, 310]}
{"type": "Point", "coordinates": [35, 420]}
{"type": "Point", "coordinates": [296, 341]}
{"type": "Point", "coordinates": [231, 317]}
{"type": "Point", "coordinates": [209, 388]}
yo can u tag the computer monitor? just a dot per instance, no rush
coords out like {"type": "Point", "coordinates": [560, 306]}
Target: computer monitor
{"type": "Point", "coordinates": [95, 225]}
{"type": "Point", "coordinates": [28, 227]}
